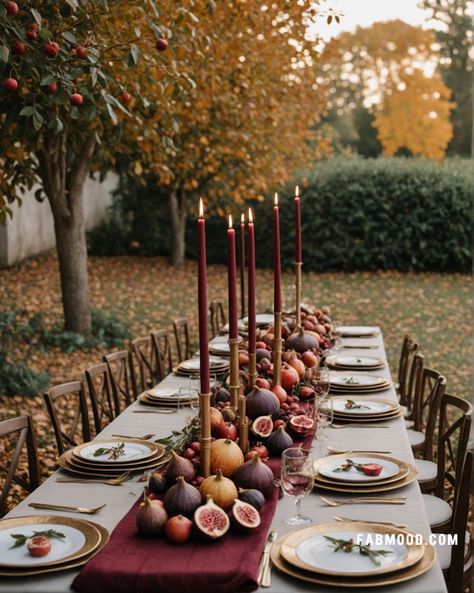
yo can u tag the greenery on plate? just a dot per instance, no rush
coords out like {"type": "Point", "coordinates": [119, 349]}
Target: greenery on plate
{"type": "Point", "coordinates": [113, 452]}
{"type": "Point", "coordinates": [348, 545]}
{"type": "Point", "coordinates": [20, 539]}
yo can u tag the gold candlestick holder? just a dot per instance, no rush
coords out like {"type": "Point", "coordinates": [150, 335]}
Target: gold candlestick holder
{"type": "Point", "coordinates": [298, 294]}
{"type": "Point", "coordinates": [277, 348]}
{"type": "Point", "coordinates": [205, 440]}
{"type": "Point", "coordinates": [234, 385]}
{"type": "Point", "coordinates": [252, 369]}
{"type": "Point", "coordinates": [243, 424]}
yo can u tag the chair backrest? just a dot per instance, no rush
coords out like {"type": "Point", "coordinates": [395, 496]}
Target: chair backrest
{"type": "Point", "coordinates": [217, 315]}
{"type": "Point", "coordinates": [413, 390]}
{"type": "Point", "coordinates": [428, 401]}
{"type": "Point", "coordinates": [181, 334]}
{"type": "Point", "coordinates": [103, 403]}
{"type": "Point", "coordinates": [70, 420]}
{"type": "Point", "coordinates": [408, 351]}
{"type": "Point", "coordinates": [120, 367]}
{"type": "Point", "coordinates": [457, 580]}
{"type": "Point", "coordinates": [162, 352]}
{"type": "Point", "coordinates": [23, 425]}
{"type": "Point", "coordinates": [144, 355]}
{"type": "Point", "coordinates": [455, 417]}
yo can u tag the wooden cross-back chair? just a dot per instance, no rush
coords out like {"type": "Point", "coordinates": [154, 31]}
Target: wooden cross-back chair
{"type": "Point", "coordinates": [162, 352]}
{"type": "Point", "coordinates": [181, 334]}
{"type": "Point", "coordinates": [122, 379]}
{"type": "Point", "coordinates": [408, 351]}
{"type": "Point", "coordinates": [103, 403]}
{"type": "Point", "coordinates": [71, 422]}
{"type": "Point", "coordinates": [217, 316]}
{"type": "Point", "coordinates": [27, 436]}
{"type": "Point", "coordinates": [144, 355]}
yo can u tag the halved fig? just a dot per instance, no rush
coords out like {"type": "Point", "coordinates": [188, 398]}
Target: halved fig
{"type": "Point", "coordinates": [244, 516]}
{"type": "Point", "coordinates": [262, 426]}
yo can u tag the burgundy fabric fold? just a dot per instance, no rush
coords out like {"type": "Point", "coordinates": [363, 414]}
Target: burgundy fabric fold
{"type": "Point", "coordinates": [132, 564]}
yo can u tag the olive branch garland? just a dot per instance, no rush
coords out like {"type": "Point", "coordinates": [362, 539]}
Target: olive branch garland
{"type": "Point", "coordinates": [348, 546]}
{"type": "Point", "coordinates": [20, 539]}
{"type": "Point", "coordinates": [177, 440]}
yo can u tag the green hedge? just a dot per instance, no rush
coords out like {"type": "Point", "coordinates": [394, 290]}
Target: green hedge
{"type": "Point", "coordinates": [400, 214]}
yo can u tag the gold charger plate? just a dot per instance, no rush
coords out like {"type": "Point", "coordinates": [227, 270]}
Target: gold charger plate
{"type": "Point", "coordinates": [394, 405]}
{"type": "Point", "coordinates": [288, 548]}
{"type": "Point", "coordinates": [149, 401]}
{"type": "Point", "coordinates": [152, 447]}
{"type": "Point", "coordinates": [66, 463]}
{"type": "Point", "coordinates": [403, 466]}
{"type": "Point", "coordinates": [354, 387]}
{"type": "Point", "coordinates": [413, 572]}
{"type": "Point", "coordinates": [116, 468]}
{"type": "Point", "coordinates": [370, 488]}
{"type": "Point", "coordinates": [90, 533]}
{"type": "Point", "coordinates": [351, 419]}
{"type": "Point", "coordinates": [104, 538]}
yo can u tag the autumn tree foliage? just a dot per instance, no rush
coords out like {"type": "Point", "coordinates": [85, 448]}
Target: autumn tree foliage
{"type": "Point", "coordinates": [388, 69]}
{"type": "Point", "coordinates": [67, 80]}
{"type": "Point", "coordinates": [247, 121]}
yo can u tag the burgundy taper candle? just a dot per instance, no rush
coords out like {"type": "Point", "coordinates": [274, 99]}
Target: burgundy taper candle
{"type": "Point", "coordinates": [276, 258]}
{"type": "Point", "coordinates": [251, 285]}
{"type": "Point", "coordinates": [242, 265]}
{"type": "Point", "coordinates": [232, 282]}
{"type": "Point", "coordinates": [202, 303]}
{"type": "Point", "coordinates": [298, 254]}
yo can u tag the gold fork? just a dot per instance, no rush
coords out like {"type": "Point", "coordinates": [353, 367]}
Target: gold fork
{"type": "Point", "coordinates": [360, 500]}
{"type": "Point", "coordinates": [397, 525]}
{"type": "Point", "coordinates": [60, 507]}
{"type": "Point", "coordinates": [354, 425]}
{"type": "Point", "coordinates": [111, 482]}
{"type": "Point", "coordinates": [145, 437]}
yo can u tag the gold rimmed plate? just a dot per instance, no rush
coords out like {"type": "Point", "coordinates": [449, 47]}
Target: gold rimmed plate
{"type": "Point", "coordinates": [134, 450]}
{"type": "Point", "coordinates": [310, 550]}
{"type": "Point", "coordinates": [80, 539]}
{"type": "Point", "coordinates": [77, 461]}
{"type": "Point", "coordinates": [370, 488]}
{"type": "Point", "coordinates": [326, 469]}
{"type": "Point", "coordinates": [67, 463]}
{"type": "Point", "coordinates": [369, 407]}
{"type": "Point", "coordinates": [168, 403]}
{"type": "Point", "coordinates": [368, 419]}
{"type": "Point", "coordinates": [408, 574]}
{"type": "Point", "coordinates": [60, 566]}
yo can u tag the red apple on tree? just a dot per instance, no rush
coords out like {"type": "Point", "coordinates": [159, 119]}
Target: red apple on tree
{"type": "Point", "coordinates": [81, 52]}
{"type": "Point", "coordinates": [31, 34]}
{"type": "Point", "coordinates": [126, 97]}
{"type": "Point", "coordinates": [19, 48]}
{"type": "Point", "coordinates": [12, 7]}
{"type": "Point", "coordinates": [10, 84]}
{"type": "Point", "coordinates": [53, 87]}
{"type": "Point", "coordinates": [76, 99]}
{"type": "Point", "coordinates": [51, 49]}
{"type": "Point", "coordinates": [161, 44]}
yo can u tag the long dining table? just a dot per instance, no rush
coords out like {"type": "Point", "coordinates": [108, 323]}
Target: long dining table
{"type": "Point", "coordinates": [119, 499]}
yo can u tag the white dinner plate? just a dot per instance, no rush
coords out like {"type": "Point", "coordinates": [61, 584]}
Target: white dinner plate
{"type": "Point", "coordinates": [220, 347]}
{"type": "Point", "coordinates": [262, 319]}
{"type": "Point", "coordinates": [357, 330]}
{"type": "Point", "coordinates": [132, 451]}
{"type": "Point", "coordinates": [318, 552]}
{"type": "Point", "coordinates": [160, 392]}
{"type": "Point", "coordinates": [355, 361]}
{"type": "Point", "coordinates": [329, 468]}
{"type": "Point", "coordinates": [73, 541]}
{"type": "Point", "coordinates": [350, 380]}
{"type": "Point", "coordinates": [369, 407]}
{"type": "Point", "coordinates": [194, 364]}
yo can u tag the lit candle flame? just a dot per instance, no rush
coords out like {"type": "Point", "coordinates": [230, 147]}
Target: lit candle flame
{"type": "Point", "coordinates": [250, 215]}
{"type": "Point", "coordinates": [201, 208]}
{"type": "Point", "coordinates": [297, 191]}
{"type": "Point", "coordinates": [242, 218]}
{"type": "Point", "coordinates": [230, 221]}
{"type": "Point", "coordinates": [276, 199]}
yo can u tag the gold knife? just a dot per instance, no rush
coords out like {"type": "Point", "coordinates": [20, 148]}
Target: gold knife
{"type": "Point", "coordinates": [264, 574]}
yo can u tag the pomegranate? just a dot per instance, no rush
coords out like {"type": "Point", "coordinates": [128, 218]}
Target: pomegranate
{"type": "Point", "coordinates": [372, 469]}
{"type": "Point", "coordinates": [243, 358]}
{"type": "Point", "coordinates": [244, 515]}
{"type": "Point", "coordinates": [195, 446]}
{"type": "Point", "coordinates": [280, 393]}
{"type": "Point", "coordinates": [178, 529]}
{"type": "Point", "coordinates": [298, 365]}
{"type": "Point", "coordinates": [262, 426]}
{"type": "Point", "coordinates": [39, 546]}
{"type": "Point", "coordinates": [289, 377]}
{"type": "Point", "coordinates": [261, 345]}
{"type": "Point", "coordinates": [310, 359]}
{"type": "Point", "coordinates": [211, 521]}
{"type": "Point", "coordinates": [301, 425]}
{"type": "Point", "coordinates": [306, 392]}
{"type": "Point", "coordinates": [216, 419]}
{"type": "Point", "coordinates": [260, 450]}
{"type": "Point", "coordinates": [227, 430]}
{"type": "Point", "coordinates": [189, 453]}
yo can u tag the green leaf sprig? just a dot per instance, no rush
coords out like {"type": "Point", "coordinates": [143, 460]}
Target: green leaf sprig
{"type": "Point", "coordinates": [352, 405]}
{"type": "Point", "coordinates": [113, 452]}
{"type": "Point", "coordinates": [348, 546]}
{"type": "Point", "coordinates": [20, 539]}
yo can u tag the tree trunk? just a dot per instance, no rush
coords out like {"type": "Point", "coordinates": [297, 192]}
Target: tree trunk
{"type": "Point", "coordinates": [177, 203]}
{"type": "Point", "coordinates": [64, 189]}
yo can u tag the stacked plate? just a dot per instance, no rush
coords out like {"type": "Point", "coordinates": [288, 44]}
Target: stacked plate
{"type": "Point", "coordinates": [357, 384]}
{"type": "Point", "coordinates": [309, 555]}
{"type": "Point", "coordinates": [355, 473]}
{"type": "Point", "coordinates": [105, 459]}
{"type": "Point", "coordinates": [73, 543]}
{"type": "Point", "coordinates": [361, 409]}
{"type": "Point", "coordinates": [354, 363]}
{"type": "Point", "coordinates": [261, 319]}
{"type": "Point", "coordinates": [191, 367]}
{"type": "Point", "coordinates": [219, 348]}
{"type": "Point", "coordinates": [357, 331]}
{"type": "Point", "coordinates": [162, 397]}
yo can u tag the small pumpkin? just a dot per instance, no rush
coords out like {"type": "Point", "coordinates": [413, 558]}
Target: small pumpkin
{"type": "Point", "coordinates": [221, 489]}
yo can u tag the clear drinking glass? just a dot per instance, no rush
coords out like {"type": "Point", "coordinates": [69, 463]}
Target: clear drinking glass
{"type": "Point", "coordinates": [188, 396]}
{"type": "Point", "coordinates": [319, 380]}
{"type": "Point", "coordinates": [297, 479]}
{"type": "Point", "coordinates": [325, 415]}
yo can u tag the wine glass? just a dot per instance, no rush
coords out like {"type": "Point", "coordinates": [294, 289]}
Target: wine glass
{"type": "Point", "coordinates": [319, 380]}
{"type": "Point", "coordinates": [297, 479]}
{"type": "Point", "coordinates": [325, 415]}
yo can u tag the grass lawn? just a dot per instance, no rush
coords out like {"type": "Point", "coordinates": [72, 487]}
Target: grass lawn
{"type": "Point", "coordinates": [146, 293]}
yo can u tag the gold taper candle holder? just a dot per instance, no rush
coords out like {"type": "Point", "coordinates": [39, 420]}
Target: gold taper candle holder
{"type": "Point", "coordinates": [277, 348]}
{"type": "Point", "coordinates": [243, 424]}
{"type": "Point", "coordinates": [205, 440]}
{"type": "Point", "coordinates": [298, 294]}
{"type": "Point", "coordinates": [252, 369]}
{"type": "Point", "coordinates": [234, 385]}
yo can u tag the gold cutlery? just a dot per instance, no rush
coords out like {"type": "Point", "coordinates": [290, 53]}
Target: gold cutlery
{"type": "Point", "coordinates": [397, 525]}
{"type": "Point", "coordinates": [366, 347]}
{"type": "Point", "coordinates": [264, 572]}
{"type": "Point", "coordinates": [111, 482]}
{"type": "Point", "coordinates": [60, 507]}
{"type": "Point", "coordinates": [163, 411]}
{"type": "Point", "coordinates": [361, 500]}
{"type": "Point", "coordinates": [354, 425]}
{"type": "Point", "coordinates": [341, 451]}
{"type": "Point", "coordinates": [145, 437]}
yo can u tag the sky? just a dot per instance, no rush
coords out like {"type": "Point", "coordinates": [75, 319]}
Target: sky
{"type": "Point", "coordinates": [366, 12]}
